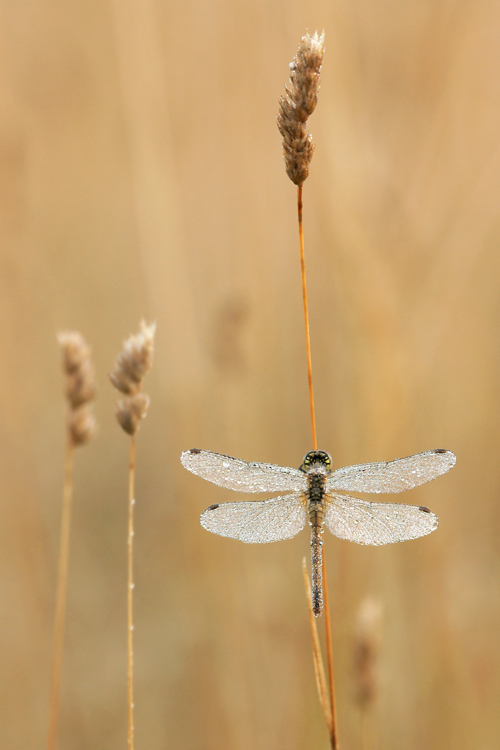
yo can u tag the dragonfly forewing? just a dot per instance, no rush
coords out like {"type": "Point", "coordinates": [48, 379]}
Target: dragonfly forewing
{"type": "Point", "coordinates": [392, 476]}
{"type": "Point", "coordinates": [258, 522]}
{"type": "Point", "coordinates": [366, 522]}
{"type": "Point", "coordinates": [243, 476]}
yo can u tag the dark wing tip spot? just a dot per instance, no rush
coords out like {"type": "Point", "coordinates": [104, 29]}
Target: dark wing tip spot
{"type": "Point", "coordinates": [194, 451]}
{"type": "Point", "coordinates": [424, 509]}
{"type": "Point", "coordinates": [440, 450]}
{"type": "Point", "coordinates": [212, 507]}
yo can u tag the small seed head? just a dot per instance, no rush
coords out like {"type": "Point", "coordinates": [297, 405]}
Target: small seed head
{"type": "Point", "coordinates": [130, 410]}
{"type": "Point", "coordinates": [81, 425]}
{"type": "Point", "coordinates": [135, 360]}
{"type": "Point", "coordinates": [74, 350]}
{"type": "Point", "coordinates": [132, 364]}
{"type": "Point", "coordinates": [80, 386]}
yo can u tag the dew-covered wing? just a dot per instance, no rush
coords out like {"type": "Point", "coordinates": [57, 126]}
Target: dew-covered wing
{"type": "Point", "coordinates": [242, 476]}
{"type": "Point", "coordinates": [392, 476]}
{"type": "Point", "coordinates": [365, 522]}
{"type": "Point", "coordinates": [257, 522]}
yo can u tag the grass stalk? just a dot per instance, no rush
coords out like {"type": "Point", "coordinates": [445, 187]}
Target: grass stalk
{"type": "Point", "coordinates": [62, 585]}
{"type": "Point", "coordinates": [306, 317]}
{"type": "Point", "coordinates": [132, 364]}
{"type": "Point", "coordinates": [326, 690]}
{"type": "Point", "coordinates": [329, 708]}
{"type": "Point", "coordinates": [130, 599]}
{"type": "Point", "coordinates": [319, 669]}
{"type": "Point", "coordinates": [295, 106]}
{"type": "Point", "coordinates": [329, 655]}
{"type": "Point", "coordinates": [80, 428]}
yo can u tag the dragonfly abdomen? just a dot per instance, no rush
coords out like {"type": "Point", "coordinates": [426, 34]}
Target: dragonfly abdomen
{"type": "Point", "coordinates": [317, 568]}
{"type": "Point", "coordinates": [316, 512]}
{"type": "Point", "coordinates": [316, 520]}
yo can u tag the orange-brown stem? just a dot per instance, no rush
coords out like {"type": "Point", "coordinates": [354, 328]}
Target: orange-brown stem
{"type": "Point", "coordinates": [328, 708]}
{"type": "Point", "coordinates": [329, 655]}
{"type": "Point", "coordinates": [319, 669]}
{"type": "Point", "coordinates": [306, 317]}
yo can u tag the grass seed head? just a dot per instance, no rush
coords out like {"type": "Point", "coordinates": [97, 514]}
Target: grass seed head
{"type": "Point", "coordinates": [80, 386]}
{"type": "Point", "coordinates": [298, 103]}
{"type": "Point", "coordinates": [81, 425]}
{"type": "Point", "coordinates": [132, 364]}
{"type": "Point", "coordinates": [130, 410]}
{"type": "Point", "coordinates": [135, 360]}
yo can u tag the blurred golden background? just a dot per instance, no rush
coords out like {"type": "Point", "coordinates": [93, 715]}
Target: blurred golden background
{"type": "Point", "coordinates": [141, 175]}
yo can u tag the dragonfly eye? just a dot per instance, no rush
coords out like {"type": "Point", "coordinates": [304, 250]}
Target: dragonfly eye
{"type": "Point", "coordinates": [316, 457]}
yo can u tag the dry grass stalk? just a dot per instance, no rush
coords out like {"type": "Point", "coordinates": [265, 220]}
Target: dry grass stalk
{"type": "Point", "coordinates": [81, 426]}
{"type": "Point", "coordinates": [298, 104]}
{"type": "Point", "coordinates": [294, 109]}
{"type": "Point", "coordinates": [134, 361]}
{"type": "Point", "coordinates": [329, 656]}
{"type": "Point", "coordinates": [319, 669]}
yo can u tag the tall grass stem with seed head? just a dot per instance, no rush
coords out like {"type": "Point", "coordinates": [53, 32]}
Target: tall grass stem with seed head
{"type": "Point", "coordinates": [80, 428]}
{"type": "Point", "coordinates": [132, 364]}
{"type": "Point", "coordinates": [295, 107]}
{"type": "Point", "coordinates": [130, 598]}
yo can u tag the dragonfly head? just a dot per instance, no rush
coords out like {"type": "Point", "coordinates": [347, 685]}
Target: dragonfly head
{"type": "Point", "coordinates": [315, 459]}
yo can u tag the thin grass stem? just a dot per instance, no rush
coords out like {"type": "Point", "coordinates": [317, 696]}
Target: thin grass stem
{"type": "Point", "coordinates": [62, 585]}
{"type": "Point", "coordinates": [319, 669]}
{"type": "Point", "coordinates": [329, 655]}
{"type": "Point", "coordinates": [130, 591]}
{"type": "Point", "coordinates": [324, 693]}
{"type": "Point", "coordinates": [132, 364]}
{"type": "Point", "coordinates": [306, 317]}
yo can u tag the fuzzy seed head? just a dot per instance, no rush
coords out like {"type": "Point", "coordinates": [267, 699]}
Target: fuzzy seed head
{"type": "Point", "coordinates": [80, 386]}
{"type": "Point", "coordinates": [135, 360]}
{"type": "Point", "coordinates": [75, 351]}
{"type": "Point", "coordinates": [132, 364]}
{"type": "Point", "coordinates": [130, 410]}
{"type": "Point", "coordinates": [81, 425]}
{"type": "Point", "coordinates": [298, 103]}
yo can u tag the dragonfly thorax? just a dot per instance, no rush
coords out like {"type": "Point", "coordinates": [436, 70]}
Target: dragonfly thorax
{"type": "Point", "coordinates": [317, 460]}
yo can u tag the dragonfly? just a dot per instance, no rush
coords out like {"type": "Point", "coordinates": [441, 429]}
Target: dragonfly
{"type": "Point", "coordinates": [314, 494]}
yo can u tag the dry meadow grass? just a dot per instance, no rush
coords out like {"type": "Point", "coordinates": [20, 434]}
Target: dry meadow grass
{"type": "Point", "coordinates": [141, 175]}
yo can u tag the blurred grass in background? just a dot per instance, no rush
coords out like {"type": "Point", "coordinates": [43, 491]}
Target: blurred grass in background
{"type": "Point", "coordinates": [141, 175]}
